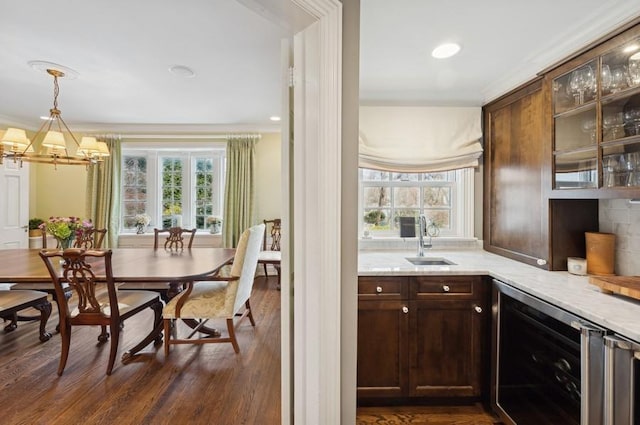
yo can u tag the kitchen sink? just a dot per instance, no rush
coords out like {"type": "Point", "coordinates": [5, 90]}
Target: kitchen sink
{"type": "Point", "coordinates": [429, 261]}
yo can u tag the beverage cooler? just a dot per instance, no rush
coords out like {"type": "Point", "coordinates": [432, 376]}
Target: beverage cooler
{"type": "Point", "coordinates": [548, 363]}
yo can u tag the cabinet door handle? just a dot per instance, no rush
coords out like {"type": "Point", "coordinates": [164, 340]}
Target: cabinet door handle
{"type": "Point", "coordinates": [405, 309]}
{"type": "Point", "coordinates": [478, 309]}
{"type": "Point", "coordinates": [378, 289]}
{"type": "Point", "coordinates": [446, 288]}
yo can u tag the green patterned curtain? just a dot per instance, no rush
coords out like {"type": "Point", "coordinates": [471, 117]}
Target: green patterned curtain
{"type": "Point", "coordinates": [239, 194]}
{"type": "Point", "coordinates": [103, 193]}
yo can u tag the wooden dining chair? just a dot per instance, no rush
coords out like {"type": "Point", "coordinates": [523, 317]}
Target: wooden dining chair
{"type": "Point", "coordinates": [227, 297]}
{"type": "Point", "coordinates": [90, 238]}
{"type": "Point", "coordinates": [175, 240]}
{"type": "Point", "coordinates": [175, 237]}
{"type": "Point", "coordinates": [11, 302]}
{"type": "Point", "coordinates": [270, 253]}
{"type": "Point", "coordinates": [88, 304]}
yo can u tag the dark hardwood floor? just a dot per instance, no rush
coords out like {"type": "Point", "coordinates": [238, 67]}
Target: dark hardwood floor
{"type": "Point", "coordinates": [207, 384]}
{"type": "Point", "coordinates": [428, 415]}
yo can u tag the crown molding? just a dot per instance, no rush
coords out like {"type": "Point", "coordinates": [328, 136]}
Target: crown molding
{"type": "Point", "coordinates": [597, 24]}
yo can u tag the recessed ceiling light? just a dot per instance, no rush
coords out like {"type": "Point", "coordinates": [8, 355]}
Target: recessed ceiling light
{"type": "Point", "coordinates": [445, 50]}
{"type": "Point", "coordinates": [69, 74]}
{"type": "Point", "coordinates": [182, 71]}
{"type": "Point", "coordinates": [274, 118]}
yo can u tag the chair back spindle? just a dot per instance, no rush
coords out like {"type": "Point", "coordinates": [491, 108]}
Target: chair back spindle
{"type": "Point", "coordinates": [175, 237]}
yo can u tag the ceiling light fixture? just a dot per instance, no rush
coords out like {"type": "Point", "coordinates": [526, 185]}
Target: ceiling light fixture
{"type": "Point", "coordinates": [445, 50]}
{"type": "Point", "coordinates": [182, 71]}
{"type": "Point", "coordinates": [49, 145]}
{"type": "Point", "coordinates": [274, 118]}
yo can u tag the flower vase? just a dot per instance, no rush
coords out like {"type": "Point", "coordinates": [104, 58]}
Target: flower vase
{"type": "Point", "coordinates": [215, 228]}
{"type": "Point", "coordinates": [65, 243]}
{"type": "Point", "coordinates": [140, 229]}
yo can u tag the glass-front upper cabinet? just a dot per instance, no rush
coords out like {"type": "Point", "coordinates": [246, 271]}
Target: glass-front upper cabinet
{"type": "Point", "coordinates": [596, 116]}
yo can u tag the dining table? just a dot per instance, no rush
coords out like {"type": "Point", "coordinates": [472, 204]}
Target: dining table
{"type": "Point", "coordinates": [24, 267]}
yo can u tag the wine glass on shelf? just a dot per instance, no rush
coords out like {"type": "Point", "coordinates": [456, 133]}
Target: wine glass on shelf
{"type": "Point", "coordinates": [589, 127]}
{"type": "Point", "coordinates": [634, 69]}
{"type": "Point", "coordinates": [605, 78]}
{"type": "Point", "coordinates": [612, 125]}
{"type": "Point", "coordinates": [618, 78]}
{"type": "Point", "coordinates": [582, 81]}
{"type": "Point", "coordinates": [631, 168]}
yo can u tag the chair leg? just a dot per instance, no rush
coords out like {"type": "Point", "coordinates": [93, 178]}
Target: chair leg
{"type": "Point", "coordinates": [265, 269]}
{"type": "Point", "coordinates": [157, 320]}
{"type": "Point", "coordinates": [45, 312]}
{"type": "Point", "coordinates": [65, 342]}
{"type": "Point", "coordinates": [104, 335]}
{"type": "Point", "coordinates": [248, 307]}
{"type": "Point", "coordinates": [115, 338]}
{"type": "Point", "coordinates": [232, 335]}
{"type": "Point", "coordinates": [167, 336]}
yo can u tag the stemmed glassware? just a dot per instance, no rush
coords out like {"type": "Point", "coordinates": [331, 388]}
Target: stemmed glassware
{"type": "Point", "coordinates": [612, 126]}
{"type": "Point", "coordinates": [618, 78]}
{"type": "Point", "coordinates": [634, 69]}
{"type": "Point", "coordinates": [582, 81]}
{"type": "Point", "coordinates": [605, 79]}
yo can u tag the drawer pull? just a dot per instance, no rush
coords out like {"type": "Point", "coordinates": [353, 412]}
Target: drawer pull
{"type": "Point", "coordinates": [446, 288]}
{"type": "Point", "coordinates": [378, 289]}
{"type": "Point", "coordinates": [478, 309]}
{"type": "Point", "coordinates": [405, 309]}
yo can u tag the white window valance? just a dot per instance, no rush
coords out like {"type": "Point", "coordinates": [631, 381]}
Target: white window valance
{"type": "Point", "coordinates": [419, 139]}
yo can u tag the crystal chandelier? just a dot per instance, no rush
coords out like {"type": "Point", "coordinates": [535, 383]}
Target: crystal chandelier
{"type": "Point", "coordinates": [49, 145]}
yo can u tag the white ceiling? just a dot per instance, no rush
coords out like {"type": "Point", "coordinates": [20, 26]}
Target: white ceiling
{"type": "Point", "coordinates": [122, 50]}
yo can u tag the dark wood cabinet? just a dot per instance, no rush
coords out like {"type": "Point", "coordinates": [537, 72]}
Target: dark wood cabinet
{"type": "Point", "coordinates": [446, 331]}
{"type": "Point", "coordinates": [516, 171]}
{"type": "Point", "coordinates": [383, 346]}
{"type": "Point", "coordinates": [428, 342]}
{"type": "Point", "coordinates": [596, 120]}
{"type": "Point", "coordinates": [522, 220]}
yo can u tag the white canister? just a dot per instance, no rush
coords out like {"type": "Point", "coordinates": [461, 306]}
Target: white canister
{"type": "Point", "coordinates": [576, 265]}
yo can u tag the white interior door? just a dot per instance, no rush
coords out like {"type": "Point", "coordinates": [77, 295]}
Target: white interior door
{"type": "Point", "coordinates": [14, 205]}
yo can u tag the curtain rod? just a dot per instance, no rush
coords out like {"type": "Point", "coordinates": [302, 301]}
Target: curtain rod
{"type": "Point", "coordinates": [188, 136]}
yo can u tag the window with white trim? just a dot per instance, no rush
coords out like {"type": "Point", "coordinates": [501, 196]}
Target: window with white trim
{"type": "Point", "coordinates": [177, 186]}
{"type": "Point", "coordinates": [445, 198]}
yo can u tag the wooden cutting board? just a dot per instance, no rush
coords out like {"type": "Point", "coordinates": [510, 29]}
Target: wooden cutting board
{"type": "Point", "coordinates": [624, 285]}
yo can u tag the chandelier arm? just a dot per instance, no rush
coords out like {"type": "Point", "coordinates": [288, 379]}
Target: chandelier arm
{"type": "Point", "coordinates": [53, 158]}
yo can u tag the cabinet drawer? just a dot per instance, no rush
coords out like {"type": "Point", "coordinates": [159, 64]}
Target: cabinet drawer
{"type": "Point", "coordinates": [392, 287]}
{"type": "Point", "coordinates": [444, 286]}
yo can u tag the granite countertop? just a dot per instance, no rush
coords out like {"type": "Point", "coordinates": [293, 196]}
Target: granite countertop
{"type": "Point", "coordinates": [567, 291]}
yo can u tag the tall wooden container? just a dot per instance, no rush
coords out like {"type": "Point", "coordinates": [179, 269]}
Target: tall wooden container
{"type": "Point", "coordinates": [600, 253]}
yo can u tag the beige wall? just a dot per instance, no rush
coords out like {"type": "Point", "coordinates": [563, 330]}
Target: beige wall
{"type": "Point", "coordinates": [58, 191]}
{"type": "Point", "coordinates": [268, 184]}
{"type": "Point", "coordinates": [62, 192]}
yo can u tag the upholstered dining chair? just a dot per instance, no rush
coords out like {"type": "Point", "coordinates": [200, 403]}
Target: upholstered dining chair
{"type": "Point", "coordinates": [270, 253]}
{"type": "Point", "coordinates": [176, 239]}
{"type": "Point", "coordinates": [225, 298]}
{"type": "Point", "coordinates": [88, 305]}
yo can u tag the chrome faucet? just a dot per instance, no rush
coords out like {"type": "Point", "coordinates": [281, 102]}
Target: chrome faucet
{"type": "Point", "coordinates": [422, 224]}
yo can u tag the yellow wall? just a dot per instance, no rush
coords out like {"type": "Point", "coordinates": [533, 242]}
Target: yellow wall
{"type": "Point", "coordinates": [62, 192]}
{"type": "Point", "coordinates": [268, 184]}
{"type": "Point", "coordinates": [58, 192]}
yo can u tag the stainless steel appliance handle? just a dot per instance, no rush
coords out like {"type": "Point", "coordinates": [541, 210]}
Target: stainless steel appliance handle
{"type": "Point", "coordinates": [592, 373]}
{"type": "Point", "coordinates": [619, 375]}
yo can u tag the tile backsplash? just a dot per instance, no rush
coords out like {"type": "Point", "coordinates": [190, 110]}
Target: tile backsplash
{"type": "Point", "coordinates": [621, 217]}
